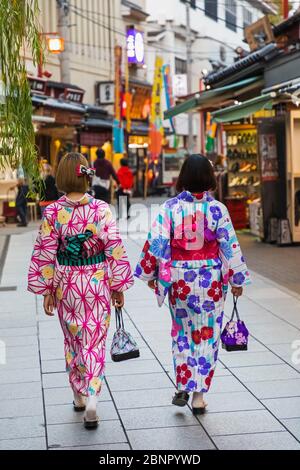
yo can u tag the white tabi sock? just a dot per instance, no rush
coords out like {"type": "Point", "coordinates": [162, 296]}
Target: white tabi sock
{"type": "Point", "coordinates": [198, 401]}
{"type": "Point", "coordinates": [91, 408]}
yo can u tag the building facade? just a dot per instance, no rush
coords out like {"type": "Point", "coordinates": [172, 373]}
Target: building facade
{"type": "Point", "coordinates": [217, 37]}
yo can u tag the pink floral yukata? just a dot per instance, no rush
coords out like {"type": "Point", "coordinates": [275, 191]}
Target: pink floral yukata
{"type": "Point", "coordinates": [82, 293]}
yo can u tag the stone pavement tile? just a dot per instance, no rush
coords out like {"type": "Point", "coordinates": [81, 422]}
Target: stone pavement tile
{"type": "Point", "coordinates": [30, 389]}
{"type": "Point", "coordinates": [64, 395]}
{"type": "Point", "coordinates": [157, 417]}
{"type": "Point", "coordinates": [139, 382]}
{"type": "Point", "coordinates": [58, 365]}
{"type": "Point", "coordinates": [22, 407]}
{"type": "Point", "coordinates": [18, 376]}
{"type": "Point", "coordinates": [272, 334]}
{"type": "Point", "coordinates": [22, 321]}
{"type": "Point", "coordinates": [32, 426]}
{"type": "Point", "coordinates": [235, 401]}
{"type": "Point", "coordinates": [64, 414]}
{"type": "Point", "coordinates": [132, 367]}
{"type": "Point", "coordinates": [226, 384]}
{"type": "Point", "coordinates": [268, 293]}
{"type": "Point", "coordinates": [66, 435]}
{"type": "Point", "coordinates": [280, 306]}
{"type": "Point", "coordinates": [19, 341]}
{"type": "Point", "coordinates": [24, 362]}
{"type": "Point", "coordinates": [54, 380]}
{"type": "Point", "coordinates": [33, 443]}
{"type": "Point", "coordinates": [247, 358]}
{"type": "Point", "coordinates": [50, 354]}
{"type": "Point", "coordinates": [282, 349]}
{"type": "Point", "coordinates": [259, 441]}
{"type": "Point", "coordinates": [239, 422]}
{"type": "Point", "coordinates": [178, 438]}
{"type": "Point", "coordinates": [275, 388]}
{"type": "Point", "coordinates": [251, 374]}
{"type": "Point", "coordinates": [22, 351]}
{"type": "Point", "coordinates": [17, 332]}
{"type": "Point", "coordinates": [52, 343]}
{"type": "Point", "coordinates": [143, 398]}
{"type": "Point", "coordinates": [284, 407]}
{"type": "Point", "coordinates": [99, 447]}
{"type": "Point", "coordinates": [293, 425]}
{"type": "Point", "coordinates": [165, 358]}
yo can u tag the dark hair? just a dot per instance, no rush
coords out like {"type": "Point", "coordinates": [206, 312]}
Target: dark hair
{"type": "Point", "coordinates": [100, 153]}
{"type": "Point", "coordinates": [124, 162]}
{"type": "Point", "coordinates": [196, 175]}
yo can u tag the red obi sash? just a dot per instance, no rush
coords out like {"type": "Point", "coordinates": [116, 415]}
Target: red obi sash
{"type": "Point", "coordinates": [210, 250]}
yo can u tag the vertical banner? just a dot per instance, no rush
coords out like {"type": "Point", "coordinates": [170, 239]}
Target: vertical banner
{"type": "Point", "coordinates": [156, 132]}
{"type": "Point", "coordinates": [118, 135]}
{"type": "Point", "coordinates": [169, 94]}
{"type": "Point", "coordinates": [211, 129]}
{"type": "Point", "coordinates": [127, 97]}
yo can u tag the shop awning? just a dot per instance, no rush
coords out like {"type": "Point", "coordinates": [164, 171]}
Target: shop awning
{"type": "Point", "coordinates": [245, 109]}
{"type": "Point", "coordinates": [203, 98]}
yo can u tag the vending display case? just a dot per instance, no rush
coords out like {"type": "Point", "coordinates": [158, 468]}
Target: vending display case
{"type": "Point", "coordinates": [243, 172]}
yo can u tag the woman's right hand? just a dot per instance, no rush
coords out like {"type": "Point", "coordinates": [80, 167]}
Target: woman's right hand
{"type": "Point", "coordinates": [237, 291]}
{"type": "Point", "coordinates": [152, 284]}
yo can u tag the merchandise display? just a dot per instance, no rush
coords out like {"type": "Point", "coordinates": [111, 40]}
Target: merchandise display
{"type": "Point", "coordinates": [243, 172]}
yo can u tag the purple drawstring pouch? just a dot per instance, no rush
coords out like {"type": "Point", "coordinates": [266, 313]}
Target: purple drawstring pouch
{"type": "Point", "coordinates": [234, 337]}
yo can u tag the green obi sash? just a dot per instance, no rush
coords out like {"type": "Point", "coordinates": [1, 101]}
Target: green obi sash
{"type": "Point", "coordinates": [72, 255]}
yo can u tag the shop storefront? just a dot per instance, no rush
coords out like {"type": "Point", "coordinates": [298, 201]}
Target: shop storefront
{"type": "Point", "coordinates": [57, 115]}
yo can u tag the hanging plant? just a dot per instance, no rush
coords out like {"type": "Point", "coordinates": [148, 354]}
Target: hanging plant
{"type": "Point", "coordinates": [19, 29]}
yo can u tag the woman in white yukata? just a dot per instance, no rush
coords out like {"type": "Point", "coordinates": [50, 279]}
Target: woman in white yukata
{"type": "Point", "coordinates": [191, 255]}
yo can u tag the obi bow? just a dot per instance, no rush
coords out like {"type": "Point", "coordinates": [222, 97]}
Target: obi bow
{"type": "Point", "coordinates": [74, 244]}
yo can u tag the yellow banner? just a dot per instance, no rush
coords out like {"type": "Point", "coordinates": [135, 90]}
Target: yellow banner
{"type": "Point", "coordinates": [156, 109]}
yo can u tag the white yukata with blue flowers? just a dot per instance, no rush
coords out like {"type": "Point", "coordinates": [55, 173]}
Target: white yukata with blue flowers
{"type": "Point", "coordinates": [196, 288]}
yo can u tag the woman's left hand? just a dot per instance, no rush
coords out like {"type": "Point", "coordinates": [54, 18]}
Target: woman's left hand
{"type": "Point", "coordinates": [117, 299]}
{"type": "Point", "coordinates": [49, 305]}
{"type": "Point", "coordinates": [237, 291]}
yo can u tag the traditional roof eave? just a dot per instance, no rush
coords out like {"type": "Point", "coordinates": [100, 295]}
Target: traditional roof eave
{"type": "Point", "coordinates": [265, 7]}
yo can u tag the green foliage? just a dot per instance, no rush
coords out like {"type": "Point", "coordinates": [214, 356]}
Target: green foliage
{"type": "Point", "coordinates": [19, 29]}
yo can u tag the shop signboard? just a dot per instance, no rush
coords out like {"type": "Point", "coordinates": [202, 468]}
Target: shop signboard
{"type": "Point", "coordinates": [105, 92]}
{"type": "Point", "coordinates": [180, 85]}
{"type": "Point", "coordinates": [135, 46]}
{"type": "Point", "coordinates": [37, 85]}
{"type": "Point", "coordinates": [268, 157]}
{"type": "Point", "coordinates": [74, 95]}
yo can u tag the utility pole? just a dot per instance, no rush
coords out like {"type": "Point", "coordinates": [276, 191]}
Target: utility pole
{"type": "Point", "coordinates": [63, 29]}
{"type": "Point", "coordinates": [189, 74]}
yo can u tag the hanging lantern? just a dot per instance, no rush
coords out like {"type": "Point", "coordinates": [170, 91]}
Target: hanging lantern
{"type": "Point", "coordinates": [56, 45]}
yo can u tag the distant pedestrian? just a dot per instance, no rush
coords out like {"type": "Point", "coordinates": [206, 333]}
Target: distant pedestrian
{"type": "Point", "coordinates": [49, 191]}
{"type": "Point", "coordinates": [21, 202]}
{"type": "Point", "coordinates": [104, 172]}
{"type": "Point", "coordinates": [125, 177]}
{"type": "Point", "coordinates": [79, 265]}
{"type": "Point", "coordinates": [191, 255]}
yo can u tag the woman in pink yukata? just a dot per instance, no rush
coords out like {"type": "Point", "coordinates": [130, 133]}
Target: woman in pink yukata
{"type": "Point", "coordinates": [79, 265]}
{"type": "Point", "coordinates": [191, 255]}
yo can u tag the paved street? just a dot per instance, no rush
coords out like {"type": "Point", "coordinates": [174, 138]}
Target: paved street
{"type": "Point", "coordinates": [254, 401]}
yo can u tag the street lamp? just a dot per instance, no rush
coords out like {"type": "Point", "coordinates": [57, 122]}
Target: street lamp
{"type": "Point", "coordinates": [55, 45]}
